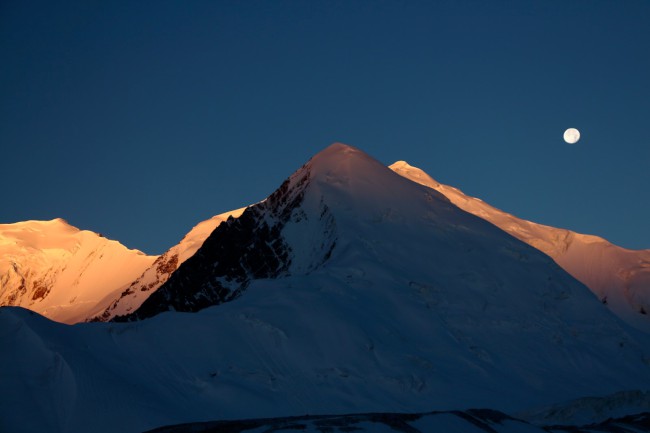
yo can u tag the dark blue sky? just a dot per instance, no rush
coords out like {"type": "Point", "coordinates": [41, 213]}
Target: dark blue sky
{"type": "Point", "coordinates": [140, 119]}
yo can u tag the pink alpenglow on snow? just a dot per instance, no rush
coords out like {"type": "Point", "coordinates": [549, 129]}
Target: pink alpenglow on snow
{"type": "Point", "coordinates": [61, 272]}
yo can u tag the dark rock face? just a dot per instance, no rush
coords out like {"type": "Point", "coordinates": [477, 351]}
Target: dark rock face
{"type": "Point", "coordinates": [41, 289]}
{"type": "Point", "coordinates": [20, 290]}
{"type": "Point", "coordinates": [238, 251]}
{"type": "Point", "coordinates": [167, 266]}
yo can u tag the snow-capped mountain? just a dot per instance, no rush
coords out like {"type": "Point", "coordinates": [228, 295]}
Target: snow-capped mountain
{"type": "Point", "coordinates": [62, 272]}
{"type": "Point", "coordinates": [619, 277]}
{"type": "Point", "coordinates": [160, 271]}
{"type": "Point", "coordinates": [354, 290]}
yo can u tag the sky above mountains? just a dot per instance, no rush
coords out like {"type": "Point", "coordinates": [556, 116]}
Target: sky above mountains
{"type": "Point", "coordinates": [138, 120]}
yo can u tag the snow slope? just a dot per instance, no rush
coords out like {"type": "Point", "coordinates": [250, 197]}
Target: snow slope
{"type": "Point", "coordinates": [618, 277]}
{"type": "Point", "coordinates": [160, 271]}
{"type": "Point", "coordinates": [590, 409]}
{"type": "Point", "coordinates": [467, 421]}
{"type": "Point", "coordinates": [62, 272]}
{"type": "Point", "coordinates": [380, 296]}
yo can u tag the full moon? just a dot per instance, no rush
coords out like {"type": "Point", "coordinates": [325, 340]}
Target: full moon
{"type": "Point", "coordinates": [571, 135]}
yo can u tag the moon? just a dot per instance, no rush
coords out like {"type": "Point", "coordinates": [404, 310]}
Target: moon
{"type": "Point", "coordinates": [571, 135]}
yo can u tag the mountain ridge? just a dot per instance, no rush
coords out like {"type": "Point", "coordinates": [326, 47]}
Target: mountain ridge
{"type": "Point", "coordinates": [420, 306]}
{"type": "Point", "coordinates": [58, 270]}
{"type": "Point", "coordinates": [161, 269]}
{"type": "Point", "coordinates": [618, 276]}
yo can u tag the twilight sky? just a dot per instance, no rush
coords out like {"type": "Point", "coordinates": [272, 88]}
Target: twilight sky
{"type": "Point", "coordinates": [140, 119]}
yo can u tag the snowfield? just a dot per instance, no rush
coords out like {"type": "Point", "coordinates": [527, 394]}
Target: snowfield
{"type": "Point", "coordinates": [381, 296]}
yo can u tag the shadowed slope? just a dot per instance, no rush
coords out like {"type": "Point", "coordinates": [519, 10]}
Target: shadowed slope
{"type": "Point", "coordinates": [619, 277]}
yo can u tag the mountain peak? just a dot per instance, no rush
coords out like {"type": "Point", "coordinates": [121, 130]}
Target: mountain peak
{"type": "Point", "coordinates": [339, 155]}
{"type": "Point", "coordinates": [340, 147]}
{"type": "Point", "coordinates": [295, 230]}
{"type": "Point", "coordinates": [54, 227]}
{"type": "Point", "coordinates": [401, 164]}
{"type": "Point", "coordinates": [415, 174]}
{"type": "Point", "coordinates": [350, 171]}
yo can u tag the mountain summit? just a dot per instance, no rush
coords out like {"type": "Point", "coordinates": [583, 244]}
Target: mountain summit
{"type": "Point", "coordinates": [293, 232]}
{"type": "Point", "coordinates": [343, 206]}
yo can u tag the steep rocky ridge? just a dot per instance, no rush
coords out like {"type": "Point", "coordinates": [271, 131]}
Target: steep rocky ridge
{"type": "Point", "coordinates": [252, 246]}
{"type": "Point", "coordinates": [159, 272]}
